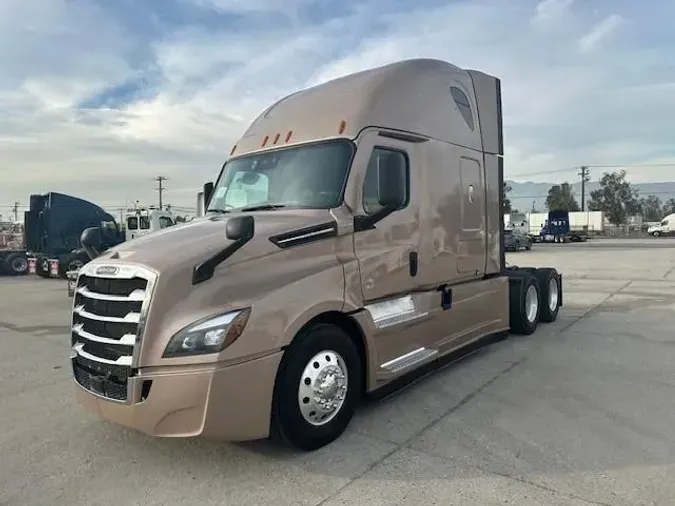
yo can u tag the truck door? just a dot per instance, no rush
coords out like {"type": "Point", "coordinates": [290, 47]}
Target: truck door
{"type": "Point", "coordinates": [471, 250]}
{"type": "Point", "coordinates": [387, 254]}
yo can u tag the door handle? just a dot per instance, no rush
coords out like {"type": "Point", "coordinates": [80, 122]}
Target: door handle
{"type": "Point", "coordinates": [413, 263]}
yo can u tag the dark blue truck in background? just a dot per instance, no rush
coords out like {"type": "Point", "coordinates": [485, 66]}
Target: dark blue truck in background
{"type": "Point", "coordinates": [557, 229]}
{"type": "Point", "coordinates": [52, 229]}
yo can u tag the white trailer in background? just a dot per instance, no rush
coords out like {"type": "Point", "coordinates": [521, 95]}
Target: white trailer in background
{"type": "Point", "coordinates": [590, 222]}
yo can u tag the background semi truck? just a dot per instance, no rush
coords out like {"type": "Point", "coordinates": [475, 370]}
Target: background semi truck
{"type": "Point", "coordinates": [52, 228]}
{"type": "Point", "coordinates": [557, 229]}
{"type": "Point", "coordinates": [354, 237]}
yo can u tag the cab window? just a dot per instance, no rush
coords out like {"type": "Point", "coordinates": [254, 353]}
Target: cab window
{"type": "Point", "coordinates": [132, 223]}
{"type": "Point", "coordinates": [165, 221]}
{"type": "Point", "coordinates": [144, 222]}
{"type": "Point", "coordinates": [246, 188]}
{"type": "Point", "coordinates": [384, 163]}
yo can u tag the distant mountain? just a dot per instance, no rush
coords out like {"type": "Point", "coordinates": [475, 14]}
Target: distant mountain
{"type": "Point", "coordinates": [524, 194]}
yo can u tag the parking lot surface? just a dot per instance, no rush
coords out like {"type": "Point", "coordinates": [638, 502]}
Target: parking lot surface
{"type": "Point", "coordinates": [579, 413]}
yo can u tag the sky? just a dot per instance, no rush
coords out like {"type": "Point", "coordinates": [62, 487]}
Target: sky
{"type": "Point", "coordinates": [98, 97]}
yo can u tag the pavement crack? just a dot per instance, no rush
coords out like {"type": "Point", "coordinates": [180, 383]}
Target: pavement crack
{"type": "Point", "coordinates": [669, 271]}
{"type": "Point", "coordinates": [406, 444]}
{"type": "Point", "coordinates": [367, 470]}
{"type": "Point", "coordinates": [545, 487]}
{"type": "Point", "coordinates": [594, 307]}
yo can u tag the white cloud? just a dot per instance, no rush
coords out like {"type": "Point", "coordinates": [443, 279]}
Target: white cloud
{"type": "Point", "coordinates": [599, 32]}
{"type": "Point", "coordinates": [572, 94]}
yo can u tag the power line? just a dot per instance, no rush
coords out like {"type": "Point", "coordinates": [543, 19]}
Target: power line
{"type": "Point", "coordinates": [569, 169]}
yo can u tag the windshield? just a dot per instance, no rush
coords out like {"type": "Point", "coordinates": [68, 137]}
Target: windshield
{"type": "Point", "coordinates": [310, 176]}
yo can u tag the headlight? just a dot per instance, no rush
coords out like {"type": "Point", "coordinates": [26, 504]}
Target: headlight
{"type": "Point", "coordinates": [210, 335]}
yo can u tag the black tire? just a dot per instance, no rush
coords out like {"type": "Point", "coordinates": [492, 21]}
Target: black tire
{"type": "Point", "coordinates": [71, 263]}
{"type": "Point", "coordinates": [289, 425]}
{"type": "Point", "coordinates": [39, 268]}
{"type": "Point", "coordinates": [656, 234]}
{"type": "Point", "coordinates": [520, 283]}
{"type": "Point", "coordinates": [545, 276]}
{"type": "Point", "coordinates": [16, 264]}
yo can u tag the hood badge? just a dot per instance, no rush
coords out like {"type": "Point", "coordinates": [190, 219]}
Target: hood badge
{"type": "Point", "coordinates": [107, 270]}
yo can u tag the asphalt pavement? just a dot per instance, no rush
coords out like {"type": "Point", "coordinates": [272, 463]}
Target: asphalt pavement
{"type": "Point", "coordinates": [579, 413]}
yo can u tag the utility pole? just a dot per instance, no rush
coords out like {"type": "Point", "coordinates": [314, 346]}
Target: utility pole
{"type": "Point", "coordinates": [15, 210]}
{"type": "Point", "coordinates": [160, 188]}
{"type": "Point", "coordinates": [585, 178]}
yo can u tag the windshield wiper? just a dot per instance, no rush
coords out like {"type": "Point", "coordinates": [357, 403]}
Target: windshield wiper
{"type": "Point", "coordinates": [261, 207]}
{"type": "Point", "coordinates": [220, 211]}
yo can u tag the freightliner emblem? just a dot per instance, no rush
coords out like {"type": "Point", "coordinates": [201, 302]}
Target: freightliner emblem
{"type": "Point", "coordinates": [107, 270]}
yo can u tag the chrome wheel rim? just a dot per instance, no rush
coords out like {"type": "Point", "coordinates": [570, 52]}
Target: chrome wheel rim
{"type": "Point", "coordinates": [531, 304]}
{"type": "Point", "coordinates": [323, 388]}
{"type": "Point", "coordinates": [552, 294]}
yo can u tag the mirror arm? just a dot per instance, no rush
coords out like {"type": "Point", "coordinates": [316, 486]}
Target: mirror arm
{"type": "Point", "coordinates": [368, 221]}
{"type": "Point", "coordinates": [204, 270]}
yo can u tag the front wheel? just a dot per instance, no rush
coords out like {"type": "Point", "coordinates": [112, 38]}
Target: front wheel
{"type": "Point", "coordinates": [318, 387]}
{"type": "Point", "coordinates": [656, 234]}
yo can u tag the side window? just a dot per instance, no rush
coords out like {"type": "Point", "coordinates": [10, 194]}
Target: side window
{"type": "Point", "coordinates": [144, 223]}
{"type": "Point", "coordinates": [132, 223]}
{"type": "Point", "coordinates": [384, 163]}
{"type": "Point", "coordinates": [463, 104]}
{"type": "Point", "coordinates": [165, 221]}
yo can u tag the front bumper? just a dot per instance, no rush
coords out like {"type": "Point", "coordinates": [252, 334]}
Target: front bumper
{"type": "Point", "coordinates": [231, 403]}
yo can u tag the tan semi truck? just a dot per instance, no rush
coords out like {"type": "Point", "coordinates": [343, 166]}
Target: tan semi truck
{"type": "Point", "coordinates": [354, 235]}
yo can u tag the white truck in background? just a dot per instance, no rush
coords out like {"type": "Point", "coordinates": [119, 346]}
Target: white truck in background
{"type": "Point", "coordinates": [142, 221]}
{"type": "Point", "coordinates": [666, 227]}
{"type": "Point", "coordinates": [517, 221]}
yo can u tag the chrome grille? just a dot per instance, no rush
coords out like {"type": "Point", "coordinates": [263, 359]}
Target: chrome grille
{"type": "Point", "coordinates": [109, 309]}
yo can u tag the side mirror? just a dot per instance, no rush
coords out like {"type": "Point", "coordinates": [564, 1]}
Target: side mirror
{"type": "Point", "coordinates": [240, 228]}
{"type": "Point", "coordinates": [208, 192]}
{"type": "Point", "coordinates": [91, 241]}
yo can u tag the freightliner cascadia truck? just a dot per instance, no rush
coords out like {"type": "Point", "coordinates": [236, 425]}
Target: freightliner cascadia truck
{"type": "Point", "coordinates": [354, 235]}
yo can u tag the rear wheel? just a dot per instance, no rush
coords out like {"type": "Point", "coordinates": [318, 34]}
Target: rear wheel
{"type": "Point", "coordinates": [549, 289]}
{"type": "Point", "coordinates": [524, 307]}
{"type": "Point", "coordinates": [17, 264]}
{"type": "Point", "coordinates": [317, 389]}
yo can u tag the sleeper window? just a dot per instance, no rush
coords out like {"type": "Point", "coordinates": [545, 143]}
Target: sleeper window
{"type": "Point", "coordinates": [384, 163]}
{"type": "Point", "coordinates": [462, 103]}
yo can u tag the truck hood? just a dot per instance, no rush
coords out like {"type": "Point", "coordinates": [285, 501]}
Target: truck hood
{"type": "Point", "coordinates": [183, 246]}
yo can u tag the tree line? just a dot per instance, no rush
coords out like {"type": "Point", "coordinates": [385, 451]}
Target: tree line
{"type": "Point", "coordinates": [616, 197]}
